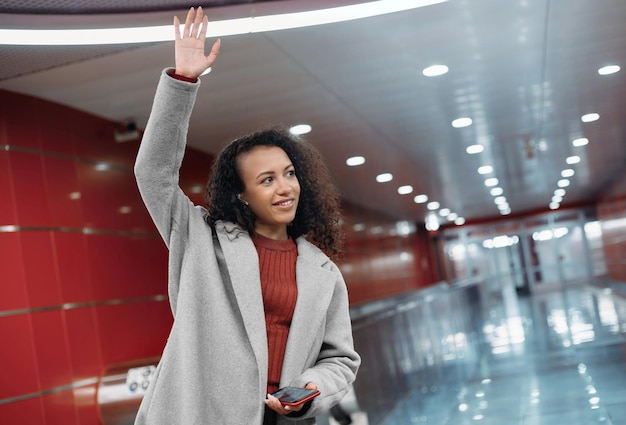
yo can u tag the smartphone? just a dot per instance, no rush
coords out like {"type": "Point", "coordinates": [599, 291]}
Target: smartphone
{"type": "Point", "coordinates": [292, 396]}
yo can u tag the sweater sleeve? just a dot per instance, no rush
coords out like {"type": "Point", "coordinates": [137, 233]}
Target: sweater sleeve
{"type": "Point", "coordinates": [161, 153]}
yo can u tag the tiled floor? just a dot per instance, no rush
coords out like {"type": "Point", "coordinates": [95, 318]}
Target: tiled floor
{"type": "Point", "coordinates": [557, 358]}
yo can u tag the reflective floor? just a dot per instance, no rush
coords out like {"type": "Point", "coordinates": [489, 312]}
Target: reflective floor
{"type": "Point", "coordinates": [557, 358]}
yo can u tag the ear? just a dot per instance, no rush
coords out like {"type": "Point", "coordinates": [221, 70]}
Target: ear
{"type": "Point", "coordinates": [241, 199]}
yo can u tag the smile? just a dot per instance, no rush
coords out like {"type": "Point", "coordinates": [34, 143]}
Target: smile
{"type": "Point", "coordinates": [286, 203]}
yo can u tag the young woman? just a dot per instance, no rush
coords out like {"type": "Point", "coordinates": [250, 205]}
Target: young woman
{"type": "Point", "coordinates": [256, 305]}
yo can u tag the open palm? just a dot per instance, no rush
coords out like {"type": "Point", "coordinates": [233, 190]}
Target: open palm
{"type": "Point", "coordinates": [189, 45]}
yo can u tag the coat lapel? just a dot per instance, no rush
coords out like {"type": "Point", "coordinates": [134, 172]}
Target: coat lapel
{"type": "Point", "coordinates": [315, 289]}
{"type": "Point", "coordinates": [243, 267]}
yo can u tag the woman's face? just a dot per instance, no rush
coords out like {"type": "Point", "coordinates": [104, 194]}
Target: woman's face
{"type": "Point", "coordinates": [271, 189]}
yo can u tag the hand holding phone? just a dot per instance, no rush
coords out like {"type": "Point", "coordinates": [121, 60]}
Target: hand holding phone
{"type": "Point", "coordinates": [293, 396]}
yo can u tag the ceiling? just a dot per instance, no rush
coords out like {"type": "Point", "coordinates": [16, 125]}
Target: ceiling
{"type": "Point", "coordinates": [524, 72]}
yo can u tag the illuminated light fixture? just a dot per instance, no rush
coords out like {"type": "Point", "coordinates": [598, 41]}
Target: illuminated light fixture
{"type": "Point", "coordinates": [500, 200]}
{"type": "Point", "coordinates": [559, 192]}
{"type": "Point", "coordinates": [359, 227]}
{"type": "Point", "coordinates": [557, 199]}
{"type": "Point", "coordinates": [462, 122]}
{"type": "Point", "coordinates": [505, 211]}
{"type": "Point", "coordinates": [384, 177]}
{"type": "Point", "coordinates": [75, 195]}
{"type": "Point", "coordinates": [609, 69]}
{"type": "Point", "coordinates": [496, 191]}
{"type": "Point", "coordinates": [247, 25]}
{"type": "Point", "coordinates": [554, 205]}
{"type": "Point", "coordinates": [453, 216]}
{"type": "Point", "coordinates": [568, 172]}
{"type": "Point", "coordinates": [102, 166]}
{"type": "Point", "coordinates": [572, 159]}
{"type": "Point", "coordinates": [491, 182]}
{"type": "Point", "coordinates": [563, 183]}
{"type": "Point", "coordinates": [420, 199]}
{"type": "Point", "coordinates": [433, 205]}
{"type": "Point", "coordinates": [580, 142]}
{"type": "Point", "coordinates": [124, 209]}
{"type": "Point", "coordinates": [459, 221]}
{"type": "Point", "coordinates": [435, 70]}
{"type": "Point", "coordinates": [485, 169]}
{"type": "Point", "coordinates": [300, 129]}
{"type": "Point", "coordinates": [444, 212]}
{"type": "Point", "coordinates": [473, 149]}
{"type": "Point", "coordinates": [502, 206]}
{"type": "Point", "coordinates": [432, 223]}
{"type": "Point", "coordinates": [355, 160]}
{"type": "Point", "coordinates": [590, 117]}
{"type": "Point", "coordinates": [405, 190]}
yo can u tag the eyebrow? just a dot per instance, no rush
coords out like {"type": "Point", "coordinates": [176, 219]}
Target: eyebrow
{"type": "Point", "coordinates": [262, 173]}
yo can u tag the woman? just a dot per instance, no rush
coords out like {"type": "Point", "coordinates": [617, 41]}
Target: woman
{"type": "Point", "coordinates": [276, 313]}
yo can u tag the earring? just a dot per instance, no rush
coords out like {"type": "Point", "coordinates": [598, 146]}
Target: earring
{"type": "Point", "coordinates": [241, 199]}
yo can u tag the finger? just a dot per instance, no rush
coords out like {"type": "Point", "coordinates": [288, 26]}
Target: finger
{"type": "Point", "coordinates": [205, 24]}
{"type": "Point", "coordinates": [196, 23]}
{"type": "Point", "coordinates": [188, 22]}
{"type": "Point", "coordinates": [176, 28]}
{"type": "Point", "coordinates": [215, 51]}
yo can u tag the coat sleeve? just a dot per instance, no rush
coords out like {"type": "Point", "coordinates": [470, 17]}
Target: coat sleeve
{"type": "Point", "coordinates": [161, 153]}
{"type": "Point", "coordinates": [157, 171]}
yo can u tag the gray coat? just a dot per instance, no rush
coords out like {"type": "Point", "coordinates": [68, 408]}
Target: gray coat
{"type": "Point", "coordinates": [214, 366]}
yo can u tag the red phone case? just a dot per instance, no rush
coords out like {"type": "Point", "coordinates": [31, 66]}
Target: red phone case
{"type": "Point", "coordinates": [292, 396]}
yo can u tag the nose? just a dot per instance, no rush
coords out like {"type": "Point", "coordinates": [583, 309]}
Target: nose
{"type": "Point", "coordinates": [284, 186]}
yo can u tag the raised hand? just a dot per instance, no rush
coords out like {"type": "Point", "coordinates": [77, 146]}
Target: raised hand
{"type": "Point", "coordinates": [189, 46]}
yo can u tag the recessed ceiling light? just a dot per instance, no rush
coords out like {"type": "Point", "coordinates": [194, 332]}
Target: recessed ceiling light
{"type": "Point", "coordinates": [559, 192]}
{"type": "Point", "coordinates": [557, 198]}
{"type": "Point", "coordinates": [554, 205]}
{"type": "Point", "coordinates": [462, 122]}
{"type": "Point", "coordinates": [444, 212]}
{"type": "Point", "coordinates": [472, 149]}
{"type": "Point", "coordinates": [580, 142]}
{"type": "Point", "coordinates": [420, 199]}
{"type": "Point", "coordinates": [433, 205]}
{"type": "Point", "coordinates": [506, 211]}
{"type": "Point", "coordinates": [300, 129]}
{"type": "Point", "coordinates": [575, 159]}
{"type": "Point", "coordinates": [568, 172]}
{"type": "Point", "coordinates": [500, 200]}
{"type": "Point", "coordinates": [384, 177]}
{"type": "Point", "coordinates": [496, 191]}
{"type": "Point", "coordinates": [590, 117]}
{"type": "Point", "coordinates": [459, 221]}
{"type": "Point", "coordinates": [405, 190]}
{"type": "Point", "coordinates": [435, 70]}
{"type": "Point", "coordinates": [609, 69]}
{"type": "Point", "coordinates": [485, 169]}
{"type": "Point", "coordinates": [355, 160]}
{"type": "Point", "coordinates": [563, 183]}
{"type": "Point", "coordinates": [491, 182]}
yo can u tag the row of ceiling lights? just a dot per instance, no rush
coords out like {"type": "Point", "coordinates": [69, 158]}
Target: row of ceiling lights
{"type": "Point", "coordinates": [432, 220]}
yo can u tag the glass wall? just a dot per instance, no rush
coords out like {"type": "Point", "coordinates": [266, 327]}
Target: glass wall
{"type": "Point", "coordinates": [537, 254]}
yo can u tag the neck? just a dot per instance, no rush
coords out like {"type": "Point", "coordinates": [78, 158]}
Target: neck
{"type": "Point", "coordinates": [272, 232]}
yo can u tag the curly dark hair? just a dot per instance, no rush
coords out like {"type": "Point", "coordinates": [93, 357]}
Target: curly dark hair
{"type": "Point", "coordinates": [318, 216]}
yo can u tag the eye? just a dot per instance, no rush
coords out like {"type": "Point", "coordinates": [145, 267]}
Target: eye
{"type": "Point", "coordinates": [267, 180]}
{"type": "Point", "coordinates": [291, 173]}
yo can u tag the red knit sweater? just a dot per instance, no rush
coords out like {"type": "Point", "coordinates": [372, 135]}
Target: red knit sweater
{"type": "Point", "coordinates": [277, 261]}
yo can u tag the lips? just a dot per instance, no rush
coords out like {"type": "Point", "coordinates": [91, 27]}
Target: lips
{"type": "Point", "coordinates": [285, 203]}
